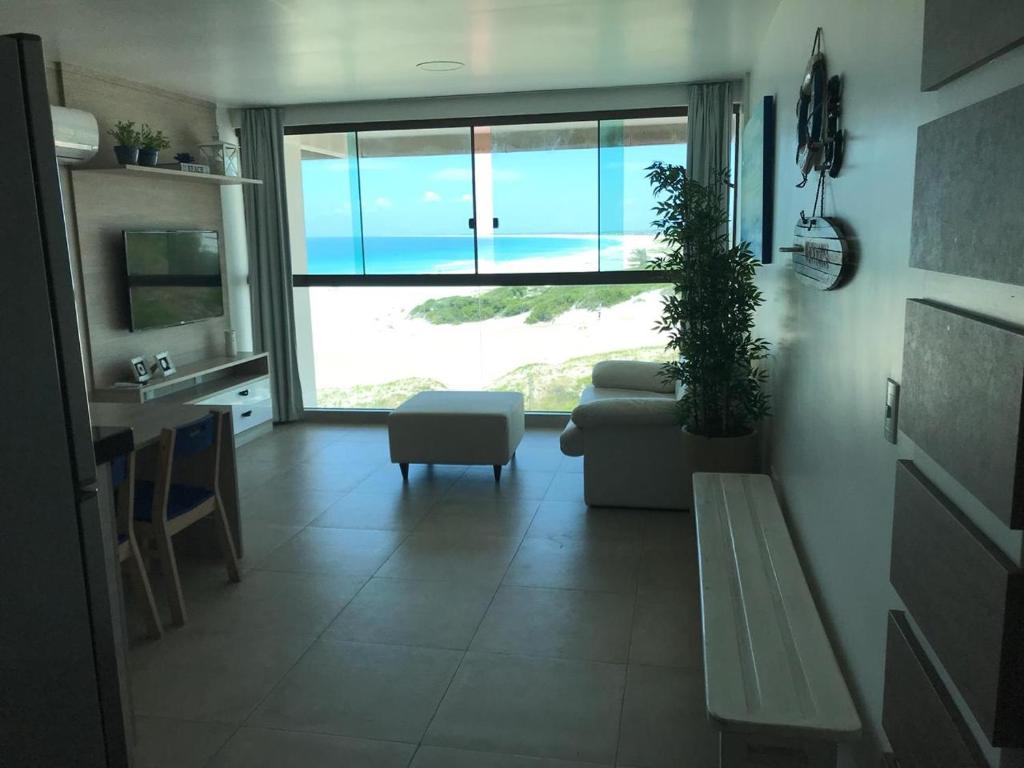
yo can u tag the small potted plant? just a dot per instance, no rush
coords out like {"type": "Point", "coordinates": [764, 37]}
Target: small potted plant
{"type": "Point", "coordinates": [709, 320]}
{"type": "Point", "coordinates": [150, 144]}
{"type": "Point", "coordinates": [126, 142]}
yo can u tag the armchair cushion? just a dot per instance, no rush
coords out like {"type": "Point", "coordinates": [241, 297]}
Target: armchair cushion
{"type": "Point", "coordinates": [626, 412]}
{"type": "Point", "coordinates": [632, 375]}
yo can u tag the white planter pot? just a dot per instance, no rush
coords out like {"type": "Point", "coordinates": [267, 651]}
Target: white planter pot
{"type": "Point", "coordinates": [718, 454]}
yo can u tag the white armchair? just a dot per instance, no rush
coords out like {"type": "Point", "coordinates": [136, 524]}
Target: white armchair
{"type": "Point", "coordinates": [626, 428]}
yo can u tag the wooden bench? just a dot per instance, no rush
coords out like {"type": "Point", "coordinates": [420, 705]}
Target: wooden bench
{"type": "Point", "coordinates": [774, 689]}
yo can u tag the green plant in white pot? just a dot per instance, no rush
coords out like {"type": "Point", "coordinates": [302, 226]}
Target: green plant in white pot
{"type": "Point", "coordinates": [709, 320]}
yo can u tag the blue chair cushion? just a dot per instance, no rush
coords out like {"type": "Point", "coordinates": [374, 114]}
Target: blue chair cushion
{"type": "Point", "coordinates": [180, 499]}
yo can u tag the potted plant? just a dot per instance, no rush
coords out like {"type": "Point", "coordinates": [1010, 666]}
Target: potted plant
{"type": "Point", "coordinates": [709, 319]}
{"type": "Point", "coordinates": [150, 144]}
{"type": "Point", "coordinates": [126, 142]}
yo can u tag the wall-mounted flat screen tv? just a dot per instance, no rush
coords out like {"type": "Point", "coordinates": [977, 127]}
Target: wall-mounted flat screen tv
{"type": "Point", "coordinates": [174, 277]}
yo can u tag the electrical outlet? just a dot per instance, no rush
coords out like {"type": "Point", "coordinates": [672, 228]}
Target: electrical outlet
{"type": "Point", "coordinates": [892, 409]}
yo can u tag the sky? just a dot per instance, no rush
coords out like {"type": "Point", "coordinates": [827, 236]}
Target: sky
{"type": "Point", "coordinates": [535, 192]}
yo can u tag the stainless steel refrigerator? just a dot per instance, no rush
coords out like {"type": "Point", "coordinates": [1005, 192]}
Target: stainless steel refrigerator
{"type": "Point", "coordinates": [60, 702]}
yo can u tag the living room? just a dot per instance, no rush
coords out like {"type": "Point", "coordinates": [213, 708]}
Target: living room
{"type": "Point", "coordinates": [439, 418]}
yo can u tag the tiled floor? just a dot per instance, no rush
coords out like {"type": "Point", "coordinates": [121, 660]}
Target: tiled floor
{"type": "Point", "coordinates": [448, 623]}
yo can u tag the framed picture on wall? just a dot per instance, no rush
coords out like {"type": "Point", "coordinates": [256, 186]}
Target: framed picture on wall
{"type": "Point", "coordinates": [757, 179]}
{"type": "Point", "coordinates": [164, 363]}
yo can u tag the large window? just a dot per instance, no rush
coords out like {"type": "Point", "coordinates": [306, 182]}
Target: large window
{"type": "Point", "coordinates": [496, 255]}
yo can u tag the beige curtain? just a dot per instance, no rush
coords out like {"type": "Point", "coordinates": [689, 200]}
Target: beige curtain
{"type": "Point", "coordinates": [709, 116]}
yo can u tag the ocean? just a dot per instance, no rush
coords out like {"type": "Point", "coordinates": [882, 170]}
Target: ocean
{"type": "Point", "coordinates": [433, 255]}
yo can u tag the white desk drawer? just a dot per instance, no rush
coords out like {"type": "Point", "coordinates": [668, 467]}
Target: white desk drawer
{"type": "Point", "coordinates": [249, 415]}
{"type": "Point", "coordinates": [249, 393]}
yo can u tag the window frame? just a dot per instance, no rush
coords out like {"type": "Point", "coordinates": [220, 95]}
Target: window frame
{"type": "Point", "coordinates": [476, 278]}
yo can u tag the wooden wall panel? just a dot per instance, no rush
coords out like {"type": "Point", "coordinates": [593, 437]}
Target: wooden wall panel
{"type": "Point", "coordinates": [104, 204]}
{"type": "Point", "coordinates": [922, 723]}
{"type": "Point", "coordinates": [967, 190]}
{"type": "Point", "coordinates": [967, 598]}
{"type": "Point", "coordinates": [960, 36]}
{"type": "Point", "coordinates": [962, 391]}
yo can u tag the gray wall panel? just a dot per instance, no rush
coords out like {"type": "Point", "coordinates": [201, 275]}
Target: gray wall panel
{"type": "Point", "coordinates": [966, 596]}
{"type": "Point", "coordinates": [921, 721]}
{"type": "Point", "coordinates": [963, 382]}
{"type": "Point", "coordinates": [959, 36]}
{"type": "Point", "coordinates": [968, 184]}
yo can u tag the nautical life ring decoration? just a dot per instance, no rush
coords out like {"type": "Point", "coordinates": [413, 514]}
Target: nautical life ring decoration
{"type": "Point", "coordinates": [821, 249]}
{"type": "Point", "coordinates": [819, 141]}
{"type": "Point", "coordinates": [810, 115]}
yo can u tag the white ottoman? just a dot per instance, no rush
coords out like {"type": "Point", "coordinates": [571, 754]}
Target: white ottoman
{"type": "Point", "coordinates": [456, 428]}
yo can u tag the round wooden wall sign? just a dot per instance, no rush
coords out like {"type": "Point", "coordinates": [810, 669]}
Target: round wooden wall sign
{"type": "Point", "coordinates": [820, 253]}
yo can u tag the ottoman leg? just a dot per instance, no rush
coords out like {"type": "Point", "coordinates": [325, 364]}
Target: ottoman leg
{"type": "Point", "coordinates": [405, 471]}
{"type": "Point", "coordinates": [497, 473]}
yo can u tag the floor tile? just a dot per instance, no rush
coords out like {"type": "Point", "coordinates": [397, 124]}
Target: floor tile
{"type": "Point", "coordinates": [667, 629]}
{"type": "Point", "coordinates": [664, 720]}
{"type": "Point", "coordinates": [435, 614]}
{"type": "Point", "coordinates": [326, 476]}
{"type": "Point", "coordinates": [478, 483]}
{"type": "Point", "coordinates": [215, 677]}
{"type": "Point", "coordinates": [266, 601]}
{"type": "Point", "coordinates": [369, 691]}
{"type": "Point", "coordinates": [530, 706]}
{"type": "Point", "coordinates": [571, 465]}
{"type": "Point", "coordinates": [446, 757]}
{"type": "Point", "coordinates": [167, 743]}
{"type": "Point", "coordinates": [609, 566]}
{"type": "Point", "coordinates": [261, 538]}
{"type": "Point", "coordinates": [670, 530]}
{"type": "Point", "coordinates": [265, 748]}
{"type": "Point", "coordinates": [575, 520]}
{"type": "Point", "coordinates": [254, 473]}
{"type": "Point", "coordinates": [285, 505]}
{"type": "Point", "coordinates": [562, 623]}
{"type": "Point", "coordinates": [669, 569]}
{"type": "Point", "coordinates": [451, 557]}
{"type": "Point", "coordinates": [486, 517]}
{"type": "Point", "coordinates": [368, 510]}
{"type": "Point", "coordinates": [430, 480]}
{"type": "Point", "coordinates": [566, 486]}
{"type": "Point", "coordinates": [334, 551]}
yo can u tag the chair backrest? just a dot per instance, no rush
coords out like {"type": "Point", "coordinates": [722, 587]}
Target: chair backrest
{"type": "Point", "coordinates": [199, 436]}
{"type": "Point", "coordinates": [118, 471]}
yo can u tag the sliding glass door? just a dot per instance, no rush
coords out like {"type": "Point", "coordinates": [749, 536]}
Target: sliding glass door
{"type": "Point", "coordinates": [537, 197]}
{"type": "Point", "coordinates": [492, 254]}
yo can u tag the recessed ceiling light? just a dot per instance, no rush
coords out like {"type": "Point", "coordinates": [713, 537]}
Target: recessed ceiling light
{"type": "Point", "coordinates": [440, 65]}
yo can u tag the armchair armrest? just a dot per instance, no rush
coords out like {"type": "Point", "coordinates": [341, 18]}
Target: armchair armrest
{"type": "Point", "coordinates": [631, 374]}
{"type": "Point", "coordinates": [626, 412]}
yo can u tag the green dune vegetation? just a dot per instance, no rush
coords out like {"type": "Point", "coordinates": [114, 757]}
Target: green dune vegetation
{"type": "Point", "coordinates": [546, 387]}
{"type": "Point", "coordinates": [539, 303]}
{"type": "Point", "coordinates": [389, 395]}
{"type": "Point", "coordinates": [557, 387]}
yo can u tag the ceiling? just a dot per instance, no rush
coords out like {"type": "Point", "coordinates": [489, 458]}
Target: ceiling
{"type": "Point", "coordinates": [252, 52]}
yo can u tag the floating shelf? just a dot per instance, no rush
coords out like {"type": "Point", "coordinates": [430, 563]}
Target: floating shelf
{"type": "Point", "coordinates": [170, 173]}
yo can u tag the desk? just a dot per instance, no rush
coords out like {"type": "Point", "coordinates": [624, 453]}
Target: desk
{"type": "Point", "coordinates": [146, 421]}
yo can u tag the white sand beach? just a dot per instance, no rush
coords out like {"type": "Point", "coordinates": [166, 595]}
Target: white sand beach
{"type": "Point", "coordinates": [365, 336]}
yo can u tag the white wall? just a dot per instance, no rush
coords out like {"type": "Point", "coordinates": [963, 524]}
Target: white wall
{"type": "Point", "coordinates": [833, 351]}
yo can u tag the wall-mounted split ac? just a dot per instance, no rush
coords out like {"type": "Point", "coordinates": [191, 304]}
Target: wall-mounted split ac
{"type": "Point", "coordinates": [76, 135]}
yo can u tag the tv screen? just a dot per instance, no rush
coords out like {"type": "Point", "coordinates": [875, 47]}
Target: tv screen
{"type": "Point", "coordinates": [173, 277]}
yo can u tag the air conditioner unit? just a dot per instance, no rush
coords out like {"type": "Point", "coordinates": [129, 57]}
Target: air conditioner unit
{"type": "Point", "coordinates": [76, 135]}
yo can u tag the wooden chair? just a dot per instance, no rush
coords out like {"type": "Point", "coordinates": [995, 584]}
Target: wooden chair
{"type": "Point", "coordinates": [122, 477]}
{"type": "Point", "coordinates": [185, 490]}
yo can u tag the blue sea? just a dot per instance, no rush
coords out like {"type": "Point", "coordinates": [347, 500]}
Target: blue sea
{"type": "Point", "coordinates": [451, 255]}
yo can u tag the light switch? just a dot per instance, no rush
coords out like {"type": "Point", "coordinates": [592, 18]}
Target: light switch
{"type": "Point", "coordinates": [892, 409]}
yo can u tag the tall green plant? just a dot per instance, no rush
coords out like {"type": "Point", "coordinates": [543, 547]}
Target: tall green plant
{"type": "Point", "coordinates": [709, 315]}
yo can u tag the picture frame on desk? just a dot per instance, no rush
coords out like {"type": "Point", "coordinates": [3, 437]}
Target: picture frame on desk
{"type": "Point", "coordinates": [140, 370]}
{"type": "Point", "coordinates": [165, 364]}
